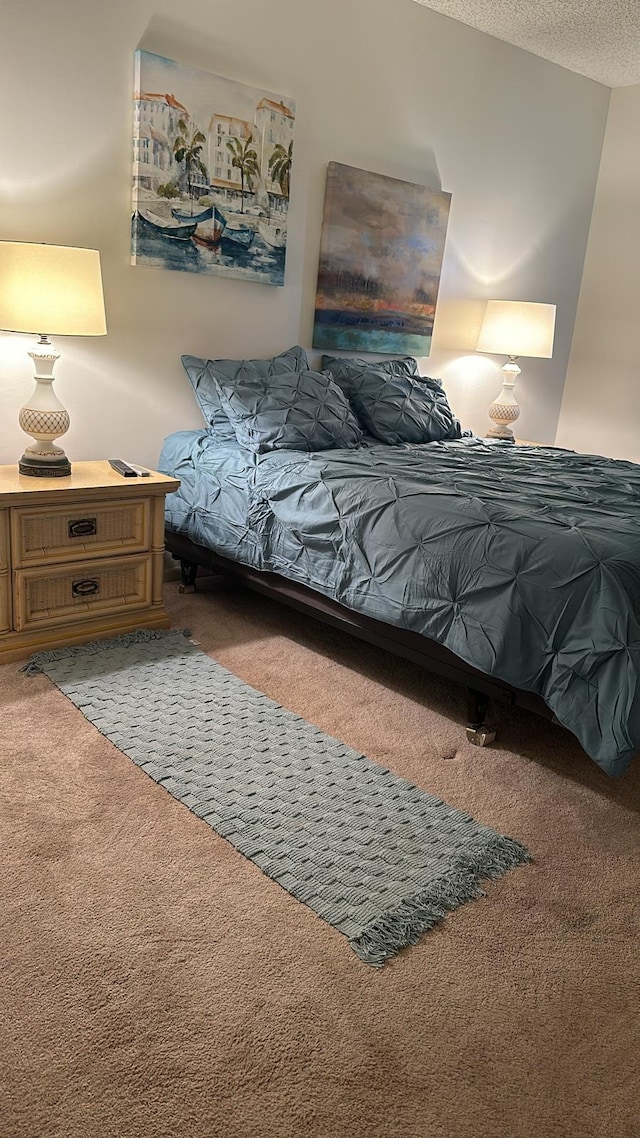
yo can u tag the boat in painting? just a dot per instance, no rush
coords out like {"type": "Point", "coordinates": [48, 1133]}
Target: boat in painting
{"type": "Point", "coordinates": [239, 232]}
{"type": "Point", "coordinates": [166, 226]}
{"type": "Point", "coordinates": [201, 215]}
{"type": "Point", "coordinates": [210, 231]}
{"type": "Point", "coordinates": [273, 233]}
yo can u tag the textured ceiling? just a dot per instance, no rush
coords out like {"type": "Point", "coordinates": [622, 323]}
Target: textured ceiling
{"type": "Point", "coordinates": [596, 38]}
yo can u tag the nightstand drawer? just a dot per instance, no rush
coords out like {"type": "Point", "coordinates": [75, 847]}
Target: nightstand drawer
{"type": "Point", "coordinates": [51, 595]}
{"type": "Point", "coordinates": [64, 533]}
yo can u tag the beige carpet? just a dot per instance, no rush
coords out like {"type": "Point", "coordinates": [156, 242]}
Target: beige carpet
{"type": "Point", "coordinates": [155, 983]}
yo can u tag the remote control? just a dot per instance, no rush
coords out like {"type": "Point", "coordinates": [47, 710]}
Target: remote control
{"type": "Point", "coordinates": [122, 468]}
{"type": "Point", "coordinates": [139, 470]}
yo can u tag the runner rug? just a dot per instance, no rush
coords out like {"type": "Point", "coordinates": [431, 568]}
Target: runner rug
{"type": "Point", "coordinates": [373, 855]}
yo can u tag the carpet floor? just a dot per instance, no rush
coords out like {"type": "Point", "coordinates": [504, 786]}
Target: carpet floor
{"type": "Point", "coordinates": [155, 984]}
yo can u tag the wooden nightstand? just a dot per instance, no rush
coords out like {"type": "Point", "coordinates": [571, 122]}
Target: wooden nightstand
{"type": "Point", "coordinates": [515, 442]}
{"type": "Point", "coordinates": [80, 557]}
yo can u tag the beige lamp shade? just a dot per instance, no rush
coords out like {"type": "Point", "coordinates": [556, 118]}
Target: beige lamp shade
{"type": "Point", "coordinates": [518, 328]}
{"type": "Point", "coordinates": [51, 289]}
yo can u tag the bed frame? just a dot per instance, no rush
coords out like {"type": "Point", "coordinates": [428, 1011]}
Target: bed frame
{"type": "Point", "coordinates": [481, 689]}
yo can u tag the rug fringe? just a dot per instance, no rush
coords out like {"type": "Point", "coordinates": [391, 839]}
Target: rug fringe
{"type": "Point", "coordinates": [415, 916]}
{"type": "Point", "coordinates": [35, 665]}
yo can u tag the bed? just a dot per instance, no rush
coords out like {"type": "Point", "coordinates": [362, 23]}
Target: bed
{"type": "Point", "coordinates": [513, 569]}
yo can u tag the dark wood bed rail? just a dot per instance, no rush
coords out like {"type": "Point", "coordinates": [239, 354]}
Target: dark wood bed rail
{"type": "Point", "coordinates": [481, 688]}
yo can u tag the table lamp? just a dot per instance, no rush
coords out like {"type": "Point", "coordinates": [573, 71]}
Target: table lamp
{"type": "Point", "coordinates": [514, 328]}
{"type": "Point", "coordinates": [58, 289]}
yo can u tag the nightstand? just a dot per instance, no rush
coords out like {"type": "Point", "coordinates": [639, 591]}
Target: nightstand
{"type": "Point", "coordinates": [81, 558]}
{"type": "Point", "coordinates": [516, 442]}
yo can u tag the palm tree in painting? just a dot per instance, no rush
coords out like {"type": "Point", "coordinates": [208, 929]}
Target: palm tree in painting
{"type": "Point", "coordinates": [245, 159]}
{"type": "Point", "coordinates": [188, 150]}
{"type": "Point", "coordinates": [280, 166]}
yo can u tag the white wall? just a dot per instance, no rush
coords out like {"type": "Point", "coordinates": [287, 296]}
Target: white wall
{"type": "Point", "coordinates": [601, 405]}
{"type": "Point", "coordinates": [386, 85]}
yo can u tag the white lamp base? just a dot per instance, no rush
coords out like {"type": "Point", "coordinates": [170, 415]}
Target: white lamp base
{"type": "Point", "coordinates": [45, 419]}
{"type": "Point", "coordinates": [504, 409]}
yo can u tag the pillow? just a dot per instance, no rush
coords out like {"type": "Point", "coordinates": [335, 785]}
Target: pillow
{"type": "Point", "coordinates": [399, 408]}
{"type": "Point", "coordinates": [203, 375]}
{"type": "Point", "coordinates": [339, 367]}
{"type": "Point", "coordinates": [291, 411]}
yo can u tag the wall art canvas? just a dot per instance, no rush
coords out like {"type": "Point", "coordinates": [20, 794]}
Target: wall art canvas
{"type": "Point", "coordinates": [380, 260]}
{"type": "Point", "coordinates": [211, 173]}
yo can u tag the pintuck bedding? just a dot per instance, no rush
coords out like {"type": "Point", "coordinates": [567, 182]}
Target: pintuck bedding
{"type": "Point", "coordinates": [523, 561]}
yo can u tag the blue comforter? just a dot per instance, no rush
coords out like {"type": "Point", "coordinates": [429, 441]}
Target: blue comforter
{"type": "Point", "coordinates": [523, 561]}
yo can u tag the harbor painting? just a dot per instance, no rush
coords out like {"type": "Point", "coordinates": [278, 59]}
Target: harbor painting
{"type": "Point", "coordinates": [211, 173]}
{"type": "Point", "coordinates": [381, 256]}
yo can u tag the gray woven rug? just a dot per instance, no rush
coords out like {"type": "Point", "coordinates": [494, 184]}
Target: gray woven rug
{"type": "Point", "coordinates": [370, 853]}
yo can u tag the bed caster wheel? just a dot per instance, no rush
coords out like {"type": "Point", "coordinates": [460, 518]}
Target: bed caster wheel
{"type": "Point", "coordinates": [481, 736]}
{"type": "Point", "coordinates": [188, 572]}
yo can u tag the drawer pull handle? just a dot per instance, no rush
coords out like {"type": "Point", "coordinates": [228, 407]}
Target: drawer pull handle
{"type": "Point", "coordinates": [87, 587]}
{"type": "Point", "coordinates": [84, 527]}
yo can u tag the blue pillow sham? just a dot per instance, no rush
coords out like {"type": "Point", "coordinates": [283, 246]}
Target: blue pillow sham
{"type": "Point", "coordinates": [343, 367]}
{"type": "Point", "coordinates": [301, 410]}
{"type": "Point", "coordinates": [204, 373]}
{"type": "Point", "coordinates": [395, 405]}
